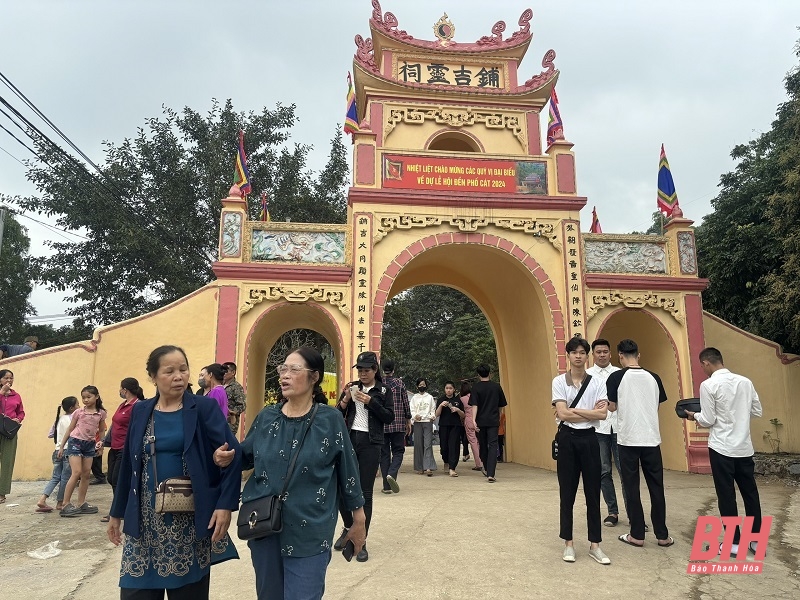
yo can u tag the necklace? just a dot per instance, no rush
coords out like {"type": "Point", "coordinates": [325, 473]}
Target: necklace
{"type": "Point", "coordinates": [159, 409]}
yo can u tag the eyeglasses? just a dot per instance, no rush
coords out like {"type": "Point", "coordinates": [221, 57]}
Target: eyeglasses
{"type": "Point", "coordinates": [294, 369]}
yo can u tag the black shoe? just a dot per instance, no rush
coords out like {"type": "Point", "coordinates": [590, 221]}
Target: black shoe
{"type": "Point", "coordinates": [98, 481]}
{"type": "Point", "coordinates": [363, 555]}
{"type": "Point", "coordinates": [339, 543]}
{"type": "Point", "coordinates": [611, 521]}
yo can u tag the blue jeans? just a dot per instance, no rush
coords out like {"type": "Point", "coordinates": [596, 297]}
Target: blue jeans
{"type": "Point", "coordinates": [287, 577]}
{"type": "Point", "coordinates": [60, 476]}
{"type": "Point", "coordinates": [609, 450]}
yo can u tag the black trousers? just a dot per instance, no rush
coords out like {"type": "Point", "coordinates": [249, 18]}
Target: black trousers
{"type": "Point", "coordinates": [649, 457]}
{"type": "Point", "coordinates": [97, 467]}
{"type": "Point", "coordinates": [114, 464]}
{"type": "Point", "coordinates": [579, 456]}
{"type": "Point", "coordinates": [394, 446]}
{"type": "Point", "coordinates": [369, 457]}
{"type": "Point", "coordinates": [727, 470]}
{"type": "Point", "coordinates": [193, 591]}
{"type": "Point", "coordinates": [464, 440]}
{"type": "Point", "coordinates": [450, 445]}
{"type": "Point", "coordinates": [487, 440]}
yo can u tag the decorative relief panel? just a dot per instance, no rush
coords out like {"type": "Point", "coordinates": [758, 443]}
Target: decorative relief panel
{"type": "Point", "coordinates": [537, 228]}
{"type": "Point", "coordinates": [457, 117]}
{"type": "Point", "coordinates": [304, 243]}
{"type": "Point", "coordinates": [671, 304]}
{"type": "Point", "coordinates": [231, 235]}
{"type": "Point", "coordinates": [297, 293]}
{"type": "Point", "coordinates": [611, 256]}
{"type": "Point", "coordinates": [687, 253]}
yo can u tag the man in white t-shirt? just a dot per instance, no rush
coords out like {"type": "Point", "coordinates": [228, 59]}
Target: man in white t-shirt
{"type": "Point", "coordinates": [727, 403]}
{"type": "Point", "coordinates": [606, 432]}
{"type": "Point", "coordinates": [578, 450]}
{"type": "Point", "coordinates": [636, 393]}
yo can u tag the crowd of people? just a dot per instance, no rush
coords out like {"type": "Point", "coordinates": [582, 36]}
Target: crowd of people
{"type": "Point", "coordinates": [175, 462]}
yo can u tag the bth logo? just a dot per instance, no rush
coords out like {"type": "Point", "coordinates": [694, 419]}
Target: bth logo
{"type": "Point", "coordinates": [707, 532]}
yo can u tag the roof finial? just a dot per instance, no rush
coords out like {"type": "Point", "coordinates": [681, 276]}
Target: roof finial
{"type": "Point", "coordinates": [444, 30]}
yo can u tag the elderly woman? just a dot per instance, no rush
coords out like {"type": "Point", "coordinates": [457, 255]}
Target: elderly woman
{"type": "Point", "coordinates": [173, 435]}
{"type": "Point", "coordinates": [293, 563]}
{"type": "Point", "coordinates": [11, 407]}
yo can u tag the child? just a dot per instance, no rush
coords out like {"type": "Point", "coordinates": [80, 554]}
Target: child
{"type": "Point", "coordinates": [81, 449]}
{"type": "Point", "coordinates": [61, 468]}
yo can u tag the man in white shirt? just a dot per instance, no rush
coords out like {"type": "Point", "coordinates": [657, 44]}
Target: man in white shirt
{"type": "Point", "coordinates": [636, 393]}
{"type": "Point", "coordinates": [606, 432]}
{"type": "Point", "coordinates": [727, 403]}
{"type": "Point", "coordinates": [578, 450]}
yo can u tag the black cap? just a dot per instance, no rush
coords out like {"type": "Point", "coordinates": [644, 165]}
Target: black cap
{"type": "Point", "coordinates": [366, 360]}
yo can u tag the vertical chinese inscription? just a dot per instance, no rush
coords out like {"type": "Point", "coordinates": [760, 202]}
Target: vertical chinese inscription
{"type": "Point", "coordinates": [574, 311]}
{"type": "Point", "coordinates": [362, 282]}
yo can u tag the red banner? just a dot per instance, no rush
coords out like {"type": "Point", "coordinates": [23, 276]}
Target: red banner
{"type": "Point", "coordinates": [464, 175]}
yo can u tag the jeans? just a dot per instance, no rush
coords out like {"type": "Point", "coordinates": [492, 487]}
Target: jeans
{"type": "Point", "coordinates": [191, 591]}
{"type": "Point", "coordinates": [649, 457]}
{"type": "Point", "coordinates": [60, 476]}
{"type": "Point", "coordinates": [579, 456]}
{"type": "Point", "coordinates": [487, 439]}
{"type": "Point", "coordinates": [287, 577]}
{"type": "Point", "coordinates": [608, 451]}
{"type": "Point", "coordinates": [369, 457]}
{"type": "Point", "coordinates": [394, 446]}
{"type": "Point", "coordinates": [727, 470]}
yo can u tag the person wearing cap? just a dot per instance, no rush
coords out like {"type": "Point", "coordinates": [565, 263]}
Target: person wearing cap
{"type": "Point", "coordinates": [30, 344]}
{"type": "Point", "coordinates": [366, 407]}
{"type": "Point", "coordinates": [394, 433]}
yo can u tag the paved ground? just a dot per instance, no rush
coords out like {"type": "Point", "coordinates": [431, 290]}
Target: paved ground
{"type": "Point", "coordinates": [440, 538]}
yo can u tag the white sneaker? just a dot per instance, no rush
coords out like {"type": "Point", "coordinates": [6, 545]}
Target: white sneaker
{"type": "Point", "coordinates": [569, 554]}
{"type": "Point", "coordinates": [599, 556]}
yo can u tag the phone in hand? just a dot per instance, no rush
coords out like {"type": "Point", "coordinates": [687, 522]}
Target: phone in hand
{"type": "Point", "coordinates": [348, 550]}
{"type": "Point", "coordinates": [353, 389]}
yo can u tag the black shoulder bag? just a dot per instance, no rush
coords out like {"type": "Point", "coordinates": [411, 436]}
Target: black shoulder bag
{"type": "Point", "coordinates": [584, 385]}
{"type": "Point", "coordinates": [262, 517]}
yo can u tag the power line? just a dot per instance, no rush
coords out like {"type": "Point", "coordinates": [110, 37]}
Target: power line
{"type": "Point", "coordinates": [53, 227]}
{"type": "Point", "coordinates": [12, 156]}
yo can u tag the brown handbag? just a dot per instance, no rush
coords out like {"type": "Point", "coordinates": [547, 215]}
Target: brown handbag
{"type": "Point", "coordinates": [173, 495]}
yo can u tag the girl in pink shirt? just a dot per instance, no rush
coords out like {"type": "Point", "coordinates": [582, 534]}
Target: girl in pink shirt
{"type": "Point", "coordinates": [80, 439]}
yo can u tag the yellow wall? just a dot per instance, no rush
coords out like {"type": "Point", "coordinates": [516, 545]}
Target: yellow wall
{"type": "Point", "coordinates": [44, 378]}
{"type": "Point", "coordinates": [777, 384]}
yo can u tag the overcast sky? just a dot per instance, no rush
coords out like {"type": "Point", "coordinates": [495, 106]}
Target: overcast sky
{"type": "Point", "coordinates": [699, 76]}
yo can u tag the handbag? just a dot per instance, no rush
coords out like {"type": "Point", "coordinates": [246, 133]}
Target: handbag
{"type": "Point", "coordinates": [8, 426]}
{"type": "Point", "coordinates": [175, 494]}
{"type": "Point", "coordinates": [584, 385]}
{"type": "Point", "coordinates": [692, 404]}
{"type": "Point", "coordinates": [262, 517]}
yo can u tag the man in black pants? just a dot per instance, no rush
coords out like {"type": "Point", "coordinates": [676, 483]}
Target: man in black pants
{"type": "Point", "coordinates": [727, 403]}
{"type": "Point", "coordinates": [578, 449]}
{"type": "Point", "coordinates": [488, 398]}
{"type": "Point", "coordinates": [394, 433]}
{"type": "Point", "coordinates": [636, 393]}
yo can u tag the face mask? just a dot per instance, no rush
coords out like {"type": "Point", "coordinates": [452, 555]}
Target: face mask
{"type": "Point", "coordinates": [122, 395]}
{"type": "Point", "coordinates": [422, 389]}
{"type": "Point", "coordinates": [201, 383]}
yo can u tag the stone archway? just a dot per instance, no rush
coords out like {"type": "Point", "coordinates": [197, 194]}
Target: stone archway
{"type": "Point", "coordinates": [659, 354]}
{"type": "Point", "coordinates": [523, 311]}
{"type": "Point", "coordinates": [273, 321]}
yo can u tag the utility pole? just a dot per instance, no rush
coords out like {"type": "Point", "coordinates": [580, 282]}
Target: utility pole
{"type": "Point", "coordinates": [2, 226]}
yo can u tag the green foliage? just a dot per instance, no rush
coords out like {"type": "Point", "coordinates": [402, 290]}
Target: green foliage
{"type": "Point", "coordinates": [749, 247]}
{"type": "Point", "coordinates": [16, 281]}
{"type": "Point", "coordinates": [656, 227]}
{"type": "Point", "coordinates": [438, 333]}
{"type": "Point", "coordinates": [152, 218]}
{"type": "Point", "coordinates": [774, 440]}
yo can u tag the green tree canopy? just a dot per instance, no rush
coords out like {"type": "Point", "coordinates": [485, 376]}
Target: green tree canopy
{"type": "Point", "coordinates": [749, 247]}
{"type": "Point", "coordinates": [16, 281]}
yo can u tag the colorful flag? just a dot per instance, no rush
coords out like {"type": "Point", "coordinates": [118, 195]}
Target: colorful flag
{"type": "Point", "coordinates": [241, 175]}
{"type": "Point", "coordinates": [667, 198]}
{"type": "Point", "coordinates": [595, 228]}
{"type": "Point", "coordinates": [351, 118]}
{"type": "Point", "coordinates": [264, 215]}
{"type": "Point", "coordinates": [555, 128]}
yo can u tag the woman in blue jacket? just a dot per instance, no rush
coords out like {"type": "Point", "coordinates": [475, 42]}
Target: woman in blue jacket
{"type": "Point", "coordinates": [174, 434]}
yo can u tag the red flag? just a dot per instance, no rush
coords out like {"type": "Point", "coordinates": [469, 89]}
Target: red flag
{"type": "Point", "coordinates": [595, 228]}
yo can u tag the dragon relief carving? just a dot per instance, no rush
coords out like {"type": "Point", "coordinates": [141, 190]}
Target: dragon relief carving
{"type": "Point", "coordinates": [456, 117]}
{"type": "Point", "coordinates": [296, 293]}
{"type": "Point", "coordinates": [549, 68]}
{"type": "Point", "coordinates": [598, 301]}
{"type": "Point", "coordinates": [537, 228]}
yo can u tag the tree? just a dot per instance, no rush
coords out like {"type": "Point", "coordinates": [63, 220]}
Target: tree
{"type": "Point", "coordinates": [749, 246]}
{"type": "Point", "coordinates": [152, 215]}
{"type": "Point", "coordinates": [656, 227]}
{"type": "Point", "coordinates": [16, 281]}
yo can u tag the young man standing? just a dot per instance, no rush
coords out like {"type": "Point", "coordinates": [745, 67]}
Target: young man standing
{"type": "Point", "coordinates": [488, 399]}
{"type": "Point", "coordinates": [606, 432]}
{"type": "Point", "coordinates": [635, 393]}
{"type": "Point", "coordinates": [578, 449]}
{"type": "Point", "coordinates": [727, 403]}
{"type": "Point", "coordinates": [394, 433]}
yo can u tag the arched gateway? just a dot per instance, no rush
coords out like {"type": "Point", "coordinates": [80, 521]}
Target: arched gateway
{"type": "Point", "coordinates": [451, 187]}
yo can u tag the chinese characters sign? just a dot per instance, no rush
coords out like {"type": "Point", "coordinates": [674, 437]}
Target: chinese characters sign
{"type": "Point", "coordinates": [362, 278]}
{"type": "Point", "coordinates": [573, 312]}
{"type": "Point", "coordinates": [464, 175]}
{"type": "Point", "coordinates": [410, 70]}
